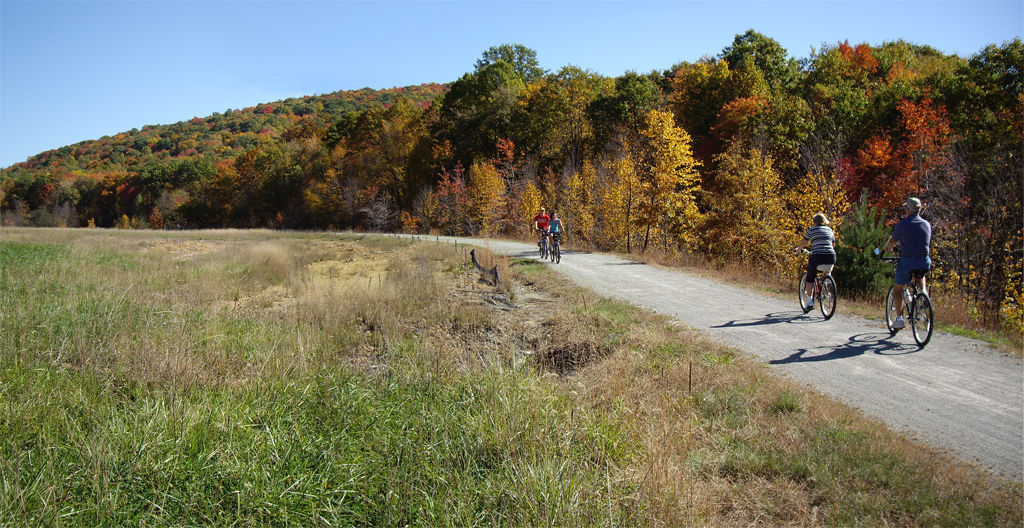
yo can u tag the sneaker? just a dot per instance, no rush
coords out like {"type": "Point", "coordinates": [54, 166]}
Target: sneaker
{"type": "Point", "coordinates": [809, 302]}
{"type": "Point", "coordinates": [898, 323]}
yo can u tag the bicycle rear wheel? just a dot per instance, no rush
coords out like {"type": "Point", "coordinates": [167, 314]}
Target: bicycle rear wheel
{"type": "Point", "coordinates": [827, 300]}
{"type": "Point", "coordinates": [921, 319]}
{"type": "Point", "coordinates": [800, 294]}
{"type": "Point", "coordinates": [890, 310]}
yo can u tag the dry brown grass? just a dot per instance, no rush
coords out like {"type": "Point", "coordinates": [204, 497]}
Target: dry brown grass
{"type": "Point", "coordinates": [178, 305]}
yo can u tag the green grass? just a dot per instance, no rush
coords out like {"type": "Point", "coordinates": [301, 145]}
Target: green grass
{"type": "Point", "coordinates": [335, 446]}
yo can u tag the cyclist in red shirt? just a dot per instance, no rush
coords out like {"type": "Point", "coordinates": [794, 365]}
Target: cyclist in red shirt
{"type": "Point", "coordinates": [541, 221]}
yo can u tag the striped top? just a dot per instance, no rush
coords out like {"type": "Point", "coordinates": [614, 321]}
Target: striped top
{"type": "Point", "coordinates": [821, 238]}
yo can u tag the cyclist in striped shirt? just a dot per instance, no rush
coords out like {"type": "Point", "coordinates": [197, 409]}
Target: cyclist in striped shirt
{"type": "Point", "coordinates": [820, 239]}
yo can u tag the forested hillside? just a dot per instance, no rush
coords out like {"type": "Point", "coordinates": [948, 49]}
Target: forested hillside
{"type": "Point", "coordinates": [728, 156]}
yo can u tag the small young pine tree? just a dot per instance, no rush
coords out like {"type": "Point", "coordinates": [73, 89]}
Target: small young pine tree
{"type": "Point", "coordinates": [857, 267]}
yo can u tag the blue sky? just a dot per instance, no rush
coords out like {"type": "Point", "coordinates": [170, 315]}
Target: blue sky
{"type": "Point", "coordinates": [77, 70]}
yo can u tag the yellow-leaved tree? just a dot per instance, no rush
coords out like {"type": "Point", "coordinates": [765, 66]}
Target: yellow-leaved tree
{"type": "Point", "coordinates": [668, 180]}
{"type": "Point", "coordinates": [581, 200]}
{"type": "Point", "coordinates": [529, 202]}
{"type": "Point", "coordinates": [815, 193]}
{"type": "Point", "coordinates": [746, 212]}
{"type": "Point", "coordinates": [486, 197]}
{"type": "Point", "coordinates": [619, 193]}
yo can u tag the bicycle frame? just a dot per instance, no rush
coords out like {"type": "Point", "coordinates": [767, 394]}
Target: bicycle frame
{"type": "Point", "coordinates": [919, 309]}
{"type": "Point", "coordinates": [821, 283]}
{"type": "Point", "coordinates": [556, 244]}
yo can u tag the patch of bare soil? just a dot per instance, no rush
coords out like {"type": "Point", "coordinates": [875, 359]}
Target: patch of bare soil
{"type": "Point", "coordinates": [530, 324]}
{"type": "Point", "coordinates": [184, 249]}
{"type": "Point", "coordinates": [351, 263]}
{"type": "Point", "coordinates": [339, 263]}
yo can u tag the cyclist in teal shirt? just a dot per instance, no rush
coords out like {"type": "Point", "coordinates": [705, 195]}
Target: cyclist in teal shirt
{"type": "Point", "coordinates": [556, 225]}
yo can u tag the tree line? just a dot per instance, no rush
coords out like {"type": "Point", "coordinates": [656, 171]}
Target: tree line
{"type": "Point", "coordinates": [727, 157]}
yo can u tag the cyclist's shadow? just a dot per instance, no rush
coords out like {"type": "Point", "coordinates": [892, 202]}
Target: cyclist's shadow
{"type": "Point", "coordinates": [878, 343]}
{"type": "Point", "coordinates": [791, 317]}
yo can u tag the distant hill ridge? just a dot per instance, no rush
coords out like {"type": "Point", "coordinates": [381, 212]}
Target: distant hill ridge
{"type": "Point", "coordinates": [220, 135]}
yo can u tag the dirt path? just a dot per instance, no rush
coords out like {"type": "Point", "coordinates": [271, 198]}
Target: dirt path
{"type": "Point", "coordinates": [957, 393]}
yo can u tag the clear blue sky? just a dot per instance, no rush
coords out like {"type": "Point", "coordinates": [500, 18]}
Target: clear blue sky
{"type": "Point", "coordinates": [77, 70]}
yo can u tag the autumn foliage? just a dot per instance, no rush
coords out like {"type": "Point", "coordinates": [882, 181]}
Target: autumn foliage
{"type": "Point", "coordinates": [728, 156]}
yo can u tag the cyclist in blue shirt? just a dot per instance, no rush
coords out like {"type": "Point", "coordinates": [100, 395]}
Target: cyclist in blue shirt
{"type": "Point", "coordinates": [913, 235]}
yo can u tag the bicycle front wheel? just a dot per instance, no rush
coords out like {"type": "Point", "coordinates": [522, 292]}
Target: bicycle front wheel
{"type": "Point", "coordinates": [890, 310]}
{"type": "Point", "coordinates": [921, 319]}
{"type": "Point", "coordinates": [827, 300]}
{"type": "Point", "coordinates": [800, 288]}
{"type": "Point", "coordinates": [558, 253]}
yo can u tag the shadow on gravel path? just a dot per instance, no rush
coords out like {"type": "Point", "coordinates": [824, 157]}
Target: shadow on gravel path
{"type": "Point", "coordinates": [793, 317]}
{"type": "Point", "coordinates": [876, 343]}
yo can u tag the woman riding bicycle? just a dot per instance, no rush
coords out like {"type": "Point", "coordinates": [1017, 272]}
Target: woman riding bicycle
{"type": "Point", "coordinates": [556, 227]}
{"type": "Point", "coordinates": [820, 238]}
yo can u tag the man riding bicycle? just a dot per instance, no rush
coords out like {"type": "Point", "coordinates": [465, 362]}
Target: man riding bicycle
{"type": "Point", "coordinates": [541, 221]}
{"type": "Point", "coordinates": [913, 235]}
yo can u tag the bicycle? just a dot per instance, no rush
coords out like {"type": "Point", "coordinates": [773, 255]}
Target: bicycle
{"type": "Point", "coordinates": [919, 305]}
{"type": "Point", "coordinates": [824, 290]}
{"type": "Point", "coordinates": [542, 244]}
{"type": "Point", "coordinates": [556, 247]}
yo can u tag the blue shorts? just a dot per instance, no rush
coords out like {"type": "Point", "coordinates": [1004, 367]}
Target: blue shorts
{"type": "Point", "coordinates": [908, 264]}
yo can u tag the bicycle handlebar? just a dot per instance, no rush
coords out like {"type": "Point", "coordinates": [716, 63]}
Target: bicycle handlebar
{"type": "Point", "coordinates": [893, 259]}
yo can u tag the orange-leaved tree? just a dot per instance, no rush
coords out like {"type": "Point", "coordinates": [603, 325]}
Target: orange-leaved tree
{"type": "Point", "coordinates": [882, 173]}
{"type": "Point", "coordinates": [452, 201]}
{"type": "Point", "coordinates": [927, 144]}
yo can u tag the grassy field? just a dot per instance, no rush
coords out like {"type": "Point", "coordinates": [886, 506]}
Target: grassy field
{"type": "Point", "coordinates": [255, 378]}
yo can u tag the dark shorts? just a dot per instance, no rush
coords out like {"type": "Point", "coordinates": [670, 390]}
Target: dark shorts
{"type": "Point", "coordinates": [909, 264]}
{"type": "Point", "coordinates": [817, 259]}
